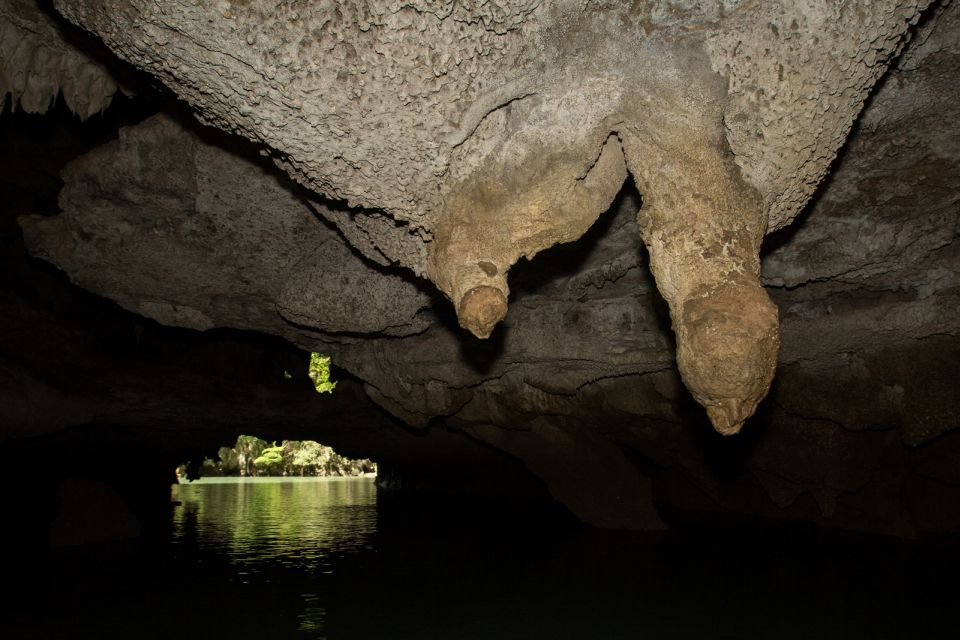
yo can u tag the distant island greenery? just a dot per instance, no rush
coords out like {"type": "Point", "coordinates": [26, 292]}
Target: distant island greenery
{"type": "Point", "coordinates": [251, 456]}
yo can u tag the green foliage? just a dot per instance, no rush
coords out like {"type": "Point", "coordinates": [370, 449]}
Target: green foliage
{"type": "Point", "coordinates": [229, 460]}
{"type": "Point", "coordinates": [248, 449]}
{"type": "Point", "coordinates": [271, 456]}
{"type": "Point", "coordinates": [252, 456]}
{"type": "Point", "coordinates": [319, 372]}
{"type": "Point", "coordinates": [308, 454]}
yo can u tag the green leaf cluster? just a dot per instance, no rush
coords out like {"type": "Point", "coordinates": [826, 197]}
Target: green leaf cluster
{"type": "Point", "coordinates": [319, 372]}
{"type": "Point", "coordinates": [251, 456]}
{"type": "Point", "coordinates": [271, 456]}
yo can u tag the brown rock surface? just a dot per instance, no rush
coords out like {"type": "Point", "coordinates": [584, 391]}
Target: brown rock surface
{"type": "Point", "coordinates": [38, 64]}
{"type": "Point", "coordinates": [480, 132]}
{"type": "Point", "coordinates": [463, 167]}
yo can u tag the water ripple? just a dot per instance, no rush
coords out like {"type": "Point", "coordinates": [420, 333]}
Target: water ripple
{"type": "Point", "coordinates": [260, 524]}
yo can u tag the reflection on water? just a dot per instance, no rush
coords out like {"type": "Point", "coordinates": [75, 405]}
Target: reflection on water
{"type": "Point", "coordinates": [267, 528]}
{"type": "Point", "coordinates": [327, 559]}
{"type": "Point", "coordinates": [260, 523]}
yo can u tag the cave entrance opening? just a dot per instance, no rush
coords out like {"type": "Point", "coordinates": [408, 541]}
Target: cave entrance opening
{"type": "Point", "coordinates": [251, 456]}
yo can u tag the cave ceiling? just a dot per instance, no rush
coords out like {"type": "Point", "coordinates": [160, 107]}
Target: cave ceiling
{"type": "Point", "coordinates": [545, 223]}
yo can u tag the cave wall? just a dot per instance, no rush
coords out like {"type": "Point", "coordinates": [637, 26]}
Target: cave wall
{"type": "Point", "coordinates": [580, 381]}
{"type": "Point", "coordinates": [98, 404]}
{"type": "Point", "coordinates": [454, 119]}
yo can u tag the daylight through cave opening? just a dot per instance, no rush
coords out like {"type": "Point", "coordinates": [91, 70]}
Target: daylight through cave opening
{"type": "Point", "coordinates": [147, 261]}
{"type": "Point", "coordinates": [251, 456]}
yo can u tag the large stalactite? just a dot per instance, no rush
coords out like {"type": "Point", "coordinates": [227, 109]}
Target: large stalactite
{"type": "Point", "coordinates": [356, 109]}
{"type": "Point", "coordinates": [464, 143]}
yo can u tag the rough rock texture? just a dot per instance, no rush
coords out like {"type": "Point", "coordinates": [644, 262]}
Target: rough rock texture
{"type": "Point", "coordinates": [37, 64]}
{"type": "Point", "coordinates": [159, 191]}
{"type": "Point", "coordinates": [367, 101]}
{"type": "Point", "coordinates": [799, 74]}
{"type": "Point", "coordinates": [250, 253]}
{"type": "Point", "coordinates": [490, 131]}
{"type": "Point", "coordinates": [92, 389]}
{"type": "Point", "coordinates": [875, 263]}
{"type": "Point", "coordinates": [581, 381]}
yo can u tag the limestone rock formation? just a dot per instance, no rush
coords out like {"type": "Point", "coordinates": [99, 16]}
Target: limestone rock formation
{"type": "Point", "coordinates": [613, 173]}
{"type": "Point", "coordinates": [496, 130]}
{"type": "Point", "coordinates": [37, 64]}
{"type": "Point", "coordinates": [249, 253]}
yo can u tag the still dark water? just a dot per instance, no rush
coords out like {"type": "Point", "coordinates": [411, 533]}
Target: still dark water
{"type": "Point", "coordinates": [292, 558]}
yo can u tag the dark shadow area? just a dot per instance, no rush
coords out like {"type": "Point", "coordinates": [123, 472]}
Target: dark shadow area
{"type": "Point", "coordinates": [480, 355]}
{"type": "Point", "coordinates": [455, 539]}
{"type": "Point", "coordinates": [34, 148]}
{"type": "Point", "coordinates": [126, 74]}
{"type": "Point", "coordinates": [357, 565]}
{"type": "Point", "coordinates": [660, 307]}
{"type": "Point", "coordinates": [550, 266]}
{"type": "Point", "coordinates": [727, 457]}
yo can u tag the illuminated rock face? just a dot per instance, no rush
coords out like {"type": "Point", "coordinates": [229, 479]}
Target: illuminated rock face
{"type": "Point", "coordinates": [489, 132]}
{"type": "Point", "coordinates": [465, 138]}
